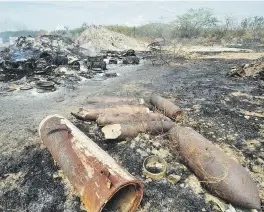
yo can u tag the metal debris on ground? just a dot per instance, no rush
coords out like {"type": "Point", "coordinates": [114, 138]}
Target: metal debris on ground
{"type": "Point", "coordinates": [106, 119]}
{"type": "Point", "coordinates": [154, 167]}
{"type": "Point", "coordinates": [93, 113]}
{"type": "Point", "coordinates": [223, 175]}
{"type": "Point", "coordinates": [102, 184]}
{"type": "Point", "coordinates": [132, 129]}
{"type": "Point", "coordinates": [167, 107]}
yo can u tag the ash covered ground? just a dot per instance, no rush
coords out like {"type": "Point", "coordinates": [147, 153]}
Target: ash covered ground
{"type": "Point", "coordinates": [228, 111]}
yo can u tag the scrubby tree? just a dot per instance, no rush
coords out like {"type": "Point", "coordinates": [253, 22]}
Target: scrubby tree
{"type": "Point", "coordinates": [192, 23]}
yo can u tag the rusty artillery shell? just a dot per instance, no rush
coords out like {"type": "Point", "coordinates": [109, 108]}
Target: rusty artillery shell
{"type": "Point", "coordinates": [100, 181]}
{"type": "Point", "coordinates": [169, 109]}
{"type": "Point", "coordinates": [223, 175]}
{"type": "Point", "coordinates": [92, 113]}
{"type": "Point", "coordinates": [112, 99]}
{"type": "Point", "coordinates": [106, 119]}
{"type": "Point", "coordinates": [131, 130]}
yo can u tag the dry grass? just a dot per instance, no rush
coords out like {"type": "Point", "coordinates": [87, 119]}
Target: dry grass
{"type": "Point", "coordinates": [234, 55]}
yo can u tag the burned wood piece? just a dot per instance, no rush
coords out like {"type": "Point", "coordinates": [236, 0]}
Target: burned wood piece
{"type": "Point", "coordinates": [102, 184]}
{"type": "Point", "coordinates": [131, 130]}
{"type": "Point", "coordinates": [93, 113]}
{"type": "Point", "coordinates": [169, 109]}
{"type": "Point", "coordinates": [223, 175]}
{"type": "Point", "coordinates": [107, 99]}
{"type": "Point", "coordinates": [106, 119]}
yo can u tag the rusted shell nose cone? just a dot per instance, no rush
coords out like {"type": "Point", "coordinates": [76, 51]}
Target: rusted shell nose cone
{"type": "Point", "coordinates": [102, 184]}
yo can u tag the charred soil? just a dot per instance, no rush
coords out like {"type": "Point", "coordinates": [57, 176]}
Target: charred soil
{"type": "Point", "coordinates": [225, 110]}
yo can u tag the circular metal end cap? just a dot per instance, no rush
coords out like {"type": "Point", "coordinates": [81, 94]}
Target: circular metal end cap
{"type": "Point", "coordinates": [154, 167]}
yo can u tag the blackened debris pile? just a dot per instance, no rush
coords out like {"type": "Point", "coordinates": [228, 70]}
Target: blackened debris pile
{"type": "Point", "coordinates": [42, 56]}
{"type": "Point", "coordinates": [121, 57]}
{"type": "Point", "coordinates": [254, 69]}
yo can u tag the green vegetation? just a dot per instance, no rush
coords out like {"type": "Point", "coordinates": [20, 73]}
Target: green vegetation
{"type": "Point", "coordinates": [200, 24]}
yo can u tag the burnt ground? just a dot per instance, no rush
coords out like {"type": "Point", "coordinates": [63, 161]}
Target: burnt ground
{"type": "Point", "coordinates": [225, 110]}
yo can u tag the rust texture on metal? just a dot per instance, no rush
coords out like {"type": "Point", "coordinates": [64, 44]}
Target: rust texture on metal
{"type": "Point", "coordinates": [106, 119]}
{"type": "Point", "coordinates": [169, 109]}
{"type": "Point", "coordinates": [223, 175]}
{"type": "Point", "coordinates": [91, 114]}
{"type": "Point", "coordinates": [100, 181]}
{"type": "Point", "coordinates": [112, 99]}
{"type": "Point", "coordinates": [132, 129]}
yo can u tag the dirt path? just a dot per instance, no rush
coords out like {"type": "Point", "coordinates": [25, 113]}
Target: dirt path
{"type": "Point", "coordinates": [217, 105]}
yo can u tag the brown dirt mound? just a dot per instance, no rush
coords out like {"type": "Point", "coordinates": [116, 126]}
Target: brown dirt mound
{"type": "Point", "coordinates": [98, 38]}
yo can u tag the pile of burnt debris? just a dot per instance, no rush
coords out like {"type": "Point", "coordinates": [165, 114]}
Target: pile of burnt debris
{"type": "Point", "coordinates": [107, 185]}
{"type": "Point", "coordinates": [254, 69]}
{"type": "Point", "coordinates": [121, 57]}
{"type": "Point", "coordinates": [50, 60]}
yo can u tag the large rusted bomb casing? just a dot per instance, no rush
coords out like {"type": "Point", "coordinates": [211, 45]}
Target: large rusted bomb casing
{"type": "Point", "coordinates": [223, 175]}
{"type": "Point", "coordinates": [132, 129]}
{"type": "Point", "coordinates": [92, 114]}
{"type": "Point", "coordinates": [100, 181]}
{"type": "Point", "coordinates": [169, 109]}
{"type": "Point", "coordinates": [105, 119]}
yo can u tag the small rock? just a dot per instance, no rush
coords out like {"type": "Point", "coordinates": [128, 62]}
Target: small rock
{"type": "Point", "coordinates": [260, 161]}
{"type": "Point", "coordinates": [156, 144]}
{"type": "Point", "coordinates": [142, 153]}
{"type": "Point", "coordinates": [182, 185]}
{"type": "Point", "coordinates": [122, 142]}
{"type": "Point", "coordinates": [146, 136]}
{"type": "Point", "coordinates": [148, 180]}
{"type": "Point", "coordinates": [256, 169]}
{"type": "Point", "coordinates": [230, 208]}
{"type": "Point", "coordinates": [163, 153]}
{"type": "Point", "coordinates": [137, 138]}
{"type": "Point", "coordinates": [173, 178]}
{"type": "Point", "coordinates": [142, 145]}
{"type": "Point", "coordinates": [193, 182]}
{"type": "Point", "coordinates": [133, 144]}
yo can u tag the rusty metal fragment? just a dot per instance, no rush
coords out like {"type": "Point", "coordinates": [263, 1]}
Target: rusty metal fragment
{"type": "Point", "coordinates": [223, 175]}
{"type": "Point", "coordinates": [106, 119]}
{"type": "Point", "coordinates": [169, 109]}
{"type": "Point", "coordinates": [91, 114]}
{"type": "Point", "coordinates": [102, 184]}
{"type": "Point", "coordinates": [131, 130]}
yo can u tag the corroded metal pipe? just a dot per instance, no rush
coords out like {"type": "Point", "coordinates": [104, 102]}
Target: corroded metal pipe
{"type": "Point", "coordinates": [91, 114]}
{"type": "Point", "coordinates": [132, 129]}
{"type": "Point", "coordinates": [167, 107]}
{"type": "Point", "coordinates": [106, 119]}
{"type": "Point", "coordinates": [100, 181]}
{"type": "Point", "coordinates": [223, 175]}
